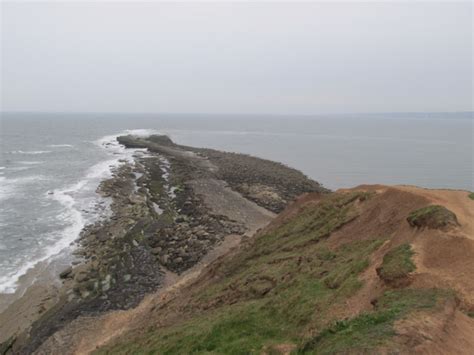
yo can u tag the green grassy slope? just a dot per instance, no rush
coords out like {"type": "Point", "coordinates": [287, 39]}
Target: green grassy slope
{"type": "Point", "coordinates": [282, 290]}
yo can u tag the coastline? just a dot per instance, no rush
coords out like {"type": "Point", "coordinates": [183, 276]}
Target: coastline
{"type": "Point", "coordinates": [168, 212]}
{"type": "Point", "coordinates": [39, 286]}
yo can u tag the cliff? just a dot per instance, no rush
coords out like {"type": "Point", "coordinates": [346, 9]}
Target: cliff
{"type": "Point", "coordinates": [347, 272]}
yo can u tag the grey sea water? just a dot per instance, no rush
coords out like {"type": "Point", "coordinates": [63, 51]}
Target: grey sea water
{"type": "Point", "coordinates": [51, 164]}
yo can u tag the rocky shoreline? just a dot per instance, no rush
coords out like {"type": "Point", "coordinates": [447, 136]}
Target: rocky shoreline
{"type": "Point", "coordinates": [170, 207]}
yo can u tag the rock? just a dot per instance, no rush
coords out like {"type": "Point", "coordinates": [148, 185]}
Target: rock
{"type": "Point", "coordinates": [103, 238]}
{"type": "Point", "coordinates": [164, 259]}
{"type": "Point", "coordinates": [202, 233]}
{"type": "Point", "coordinates": [106, 283]}
{"type": "Point", "coordinates": [156, 250]}
{"type": "Point", "coordinates": [81, 277]}
{"type": "Point", "coordinates": [67, 273]}
{"type": "Point", "coordinates": [236, 230]}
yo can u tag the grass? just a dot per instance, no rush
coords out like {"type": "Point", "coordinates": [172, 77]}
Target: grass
{"type": "Point", "coordinates": [273, 291]}
{"type": "Point", "coordinates": [434, 216]}
{"type": "Point", "coordinates": [368, 331]}
{"type": "Point", "coordinates": [281, 289]}
{"type": "Point", "coordinates": [397, 263]}
{"type": "Point", "coordinates": [471, 195]}
{"type": "Point", "coordinates": [253, 321]}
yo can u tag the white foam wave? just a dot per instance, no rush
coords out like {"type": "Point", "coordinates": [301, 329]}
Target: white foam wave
{"type": "Point", "coordinates": [30, 152]}
{"type": "Point", "coordinates": [30, 162]}
{"type": "Point", "coordinates": [9, 186]}
{"type": "Point", "coordinates": [112, 146]}
{"type": "Point", "coordinates": [2, 185]}
{"type": "Point", "coordinates": [18, 168]}
{"type": "Point", "coordinates": [73, 199]}
{"type": "Point", "coordinates": [75, 221]}
{"type": "Point", "coordinates": [60, 145]}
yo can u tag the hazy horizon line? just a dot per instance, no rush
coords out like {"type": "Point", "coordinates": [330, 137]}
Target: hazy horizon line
{"type": "Point", "coordinates": [238, 114]}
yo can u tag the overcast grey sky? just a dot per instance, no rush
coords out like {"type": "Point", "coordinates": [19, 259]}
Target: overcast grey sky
{"type": "Point", "coordinates": [288, 58]}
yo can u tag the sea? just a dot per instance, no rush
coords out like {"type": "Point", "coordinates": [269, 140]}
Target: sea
{"type": "Point", "coordinates": [52, 163]}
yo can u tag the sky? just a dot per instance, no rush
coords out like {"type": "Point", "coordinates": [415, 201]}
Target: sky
{"type": "Point", "coordinates": [246, 57]}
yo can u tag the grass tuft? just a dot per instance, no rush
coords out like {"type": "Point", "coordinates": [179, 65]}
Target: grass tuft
{"type": "Point", "coordinates": [368, 331]}
{"type": "Point", "coordinates": [434, 216]}
{"type": "Point", "coordinates": [397, 263]}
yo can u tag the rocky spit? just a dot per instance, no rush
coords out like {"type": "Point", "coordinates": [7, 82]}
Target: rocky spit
{"type": "Point", "coordinates": [170, 207]}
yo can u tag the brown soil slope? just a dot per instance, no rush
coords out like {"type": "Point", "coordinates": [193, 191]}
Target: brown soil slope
{"type": "Point", "coordinates": [440, 261]}
{"type": "Point", "coordinates": [337, 273]}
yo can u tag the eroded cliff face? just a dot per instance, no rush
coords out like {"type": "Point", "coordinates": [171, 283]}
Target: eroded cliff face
{"type": "Point", "coordinates": [347, 272]}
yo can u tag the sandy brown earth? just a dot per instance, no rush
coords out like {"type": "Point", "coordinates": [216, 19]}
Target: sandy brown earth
{"type": "Point", "coordinates": [443, 258]}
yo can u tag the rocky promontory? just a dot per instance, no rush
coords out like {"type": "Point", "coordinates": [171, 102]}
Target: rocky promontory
{"type": "Point", "coordinates": [169, 208]}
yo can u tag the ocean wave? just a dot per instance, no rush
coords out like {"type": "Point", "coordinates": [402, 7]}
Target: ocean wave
{"type": "Point", "coordinates": [113, 147]}
{"type": "Point", "coordinates": [110, 141]}
{"type": "Point", "coordinates": [30, 162]}
{"type": "Point", "coordinates": [9, 186]}
{"type": "Point", "coordinates": [18, 168]}
{"type": "Point", "coordinates": [60, 145]}
{"type": "Point", "coordinates": [74, 222]}
{"type": "Point", "coordinates": [30, 152]}
{"type": "Point", "coordinates": [75, 199]}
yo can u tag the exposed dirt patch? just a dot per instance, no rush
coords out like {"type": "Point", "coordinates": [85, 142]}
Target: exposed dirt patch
{"type": "Point", "coordinates": [446, 332]}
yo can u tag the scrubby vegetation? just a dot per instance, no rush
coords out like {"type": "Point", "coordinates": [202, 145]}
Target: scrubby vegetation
{"type": "Point", "coordinates": [397, 263]}
{"type": "Point", "coordinates": [370, 330]}
{"type": "Point", "coordinates": [434, 216]}
{"type": "Point", "coordinates": [471, 195]}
